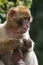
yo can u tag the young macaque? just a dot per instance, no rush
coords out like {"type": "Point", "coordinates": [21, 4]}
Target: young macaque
{"type": "Point", "coordinates": [14, 34]}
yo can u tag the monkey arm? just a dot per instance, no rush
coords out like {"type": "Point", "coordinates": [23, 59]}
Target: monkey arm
{"type": "Point", "coordinates": [7, 45]}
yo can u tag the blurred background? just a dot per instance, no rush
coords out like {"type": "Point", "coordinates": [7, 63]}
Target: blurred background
{"type": "Point", "coordinates": [36, 27]}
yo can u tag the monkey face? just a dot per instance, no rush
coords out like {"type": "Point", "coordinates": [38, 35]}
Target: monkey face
{"type": "Point", "coordinates": [19, 19]}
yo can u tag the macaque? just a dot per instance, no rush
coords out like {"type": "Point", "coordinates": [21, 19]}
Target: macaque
{"type": "Point", "coordinates": [14, 34]}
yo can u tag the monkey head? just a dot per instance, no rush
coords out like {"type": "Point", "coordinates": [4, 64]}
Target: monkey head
{"type": "Point", "coordinates": [18, 19]}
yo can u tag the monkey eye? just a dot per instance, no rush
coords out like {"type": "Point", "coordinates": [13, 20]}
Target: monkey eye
{"type": "Point", "coordinates": [21, 20]}
{"type": "Point", "coordinates": [27, 18]}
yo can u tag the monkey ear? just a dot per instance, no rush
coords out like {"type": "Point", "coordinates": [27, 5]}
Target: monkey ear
{"type": "Point", "coordinates": [11, 13]}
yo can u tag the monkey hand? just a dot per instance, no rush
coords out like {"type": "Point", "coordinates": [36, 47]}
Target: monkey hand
{"type": "Point", "coordinates": [27, 45]}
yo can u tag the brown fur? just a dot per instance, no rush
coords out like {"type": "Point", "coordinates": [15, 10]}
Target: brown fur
{"type": "Point", "coordinates": [14, 14]}
{"type": "Point", "coordinates": [13, 33]}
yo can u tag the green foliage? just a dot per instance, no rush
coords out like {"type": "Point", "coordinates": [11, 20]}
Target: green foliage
{"type": "Point", "coordinates": [4, 7]}
{"type": "Point", "coordinates": [24, 2]}
{"type": "Point", "coordinates": [9, 5]}
{"type": "Point", "coordinates": [2, 2]}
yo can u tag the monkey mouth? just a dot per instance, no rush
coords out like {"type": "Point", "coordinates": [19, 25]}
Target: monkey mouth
{"type": "Point", "coordinates": [24, 29]}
